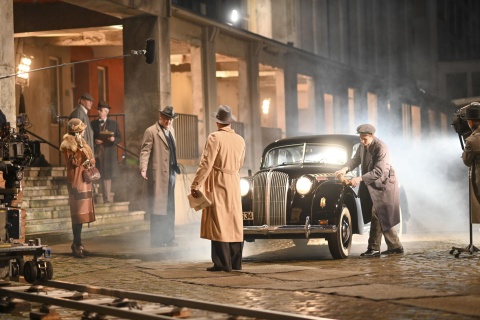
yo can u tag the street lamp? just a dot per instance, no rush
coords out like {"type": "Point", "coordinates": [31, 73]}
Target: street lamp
{"type": "Point", "coordinates": [266, 106]}
{"type": "Point", "coordinates": [234, 16]}
{"type": "Point", "coordinates": [22, 71]}
{"type": "Point", "coordinates": [21, 79]}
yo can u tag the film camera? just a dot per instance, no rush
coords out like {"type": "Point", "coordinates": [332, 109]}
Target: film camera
{"type": "Point", "coordinates": [17, 152]}
{"type": "Point", "coordinates": [460, 125]}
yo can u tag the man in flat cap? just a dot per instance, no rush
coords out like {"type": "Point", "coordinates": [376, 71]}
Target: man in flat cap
{"type": "Point", "coordinates": [378, 191]}
{"type": "Point", "coordinates": [471, 158]}
{"type": "Point", "coordinates": [218, 174]}
{"type": "Point", "coordinates": [158, 165]}
{"type": "Point", "coordinates": [81, 112]}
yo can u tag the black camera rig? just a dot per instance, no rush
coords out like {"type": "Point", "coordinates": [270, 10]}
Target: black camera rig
{"type": "Point", "coordinates": [17, 152]}
{"type": "Point", "coordinates": [460, 125]}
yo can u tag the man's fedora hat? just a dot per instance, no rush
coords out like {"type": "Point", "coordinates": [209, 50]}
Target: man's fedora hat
{"type": "Point", "coordinates": [87, 96]}
{"type": "Point", "coordinates": [223, 115]}
{"type": "Point", "coordinates": [366, 128]}
{"type": "Point", "coordinates": [103, 104]}
{"type": "Point", "coordinates": [168, 112]}
{"type": "Point", "coordinates": [472, 112]}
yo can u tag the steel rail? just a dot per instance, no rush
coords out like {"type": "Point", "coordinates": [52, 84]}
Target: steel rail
{"type": "Point", "coordinates": [82, 306]}
{"type": "Point", "coordinates": [166, 300]}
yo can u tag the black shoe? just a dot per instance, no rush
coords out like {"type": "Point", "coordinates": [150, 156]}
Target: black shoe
{"type": "Point", "coordinates": [77, 252]}
{"type": "Point", "coordinates": [398, 250]}
{"type": "Point", "coordinates": [215, 268]}
{"type": "Point", "coordinates": [84, 251]}
{"type": "Point", "coordinates": [371, 253]}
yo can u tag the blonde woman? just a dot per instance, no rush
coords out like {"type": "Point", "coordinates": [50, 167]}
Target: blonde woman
{"type": "Point", "coordinates": [78, 155]}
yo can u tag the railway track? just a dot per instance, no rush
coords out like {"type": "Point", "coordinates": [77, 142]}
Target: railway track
{"type": "Point", "coordinates": [106, 303]}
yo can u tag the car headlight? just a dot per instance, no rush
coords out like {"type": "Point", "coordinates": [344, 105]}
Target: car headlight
{"type": "Point", "coordinates": [244, 187]}
{"type": "Point", "coordinates": [304, 185]}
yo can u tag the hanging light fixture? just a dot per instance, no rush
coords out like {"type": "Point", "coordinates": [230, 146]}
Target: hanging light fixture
{"type": "Point", "coordinates": [22, 71]}
{"type": "Point", "coordinates": [266, 106]}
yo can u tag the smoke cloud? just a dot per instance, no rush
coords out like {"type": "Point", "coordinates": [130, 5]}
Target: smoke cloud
{"type": "Point", "coordinates": [436, 183]}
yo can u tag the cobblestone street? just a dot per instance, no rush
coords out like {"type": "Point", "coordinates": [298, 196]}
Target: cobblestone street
{"type": "Point", "coordinates": [425, 283]}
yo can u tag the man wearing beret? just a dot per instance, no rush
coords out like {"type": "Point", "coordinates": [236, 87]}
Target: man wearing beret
{"type": "Point", "coordinates": [81, 112]}
{"type": "Point", "coordinates": [471, 158]}
{"type": "Point", "coordinates": [378, 191]}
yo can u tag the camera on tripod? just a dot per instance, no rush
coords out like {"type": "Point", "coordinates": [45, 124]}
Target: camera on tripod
{"type": "Point", "coordinates": [459, 124]}
{"type": "Point", "coordinates": [16, 147]}
{"type": "Point", "coordinates": [17, 152]}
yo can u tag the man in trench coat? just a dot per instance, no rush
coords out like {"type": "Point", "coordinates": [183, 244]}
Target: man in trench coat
{"type": "Point", "coordinates": [218, 173]}
{"type": "Point", "coordinates": [471, 158]}
{"type": "Point", "coordinates": [158, 165]}
{"type": "Point", "coordinates": [378, 191]}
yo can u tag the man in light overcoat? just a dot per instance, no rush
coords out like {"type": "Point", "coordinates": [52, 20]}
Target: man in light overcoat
{"type": "Point", "coordinates": [158, 165]}
{"type": "Point", "coordinates": [218, 173]}
{"type": "Point", "coordinates": [378, 191]}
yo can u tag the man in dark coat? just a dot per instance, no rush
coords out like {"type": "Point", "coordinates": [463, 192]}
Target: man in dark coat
{"type": "Point", "coordinates": [378, 191]}
{"type": "Point", "coordinates": [158, 165]}
{"type": "Point", "coordinates": [81, 112]}
{"type": "Point", "coordinates": [471, 158]}
{"type": "Point", "coordinates": [106, 135]}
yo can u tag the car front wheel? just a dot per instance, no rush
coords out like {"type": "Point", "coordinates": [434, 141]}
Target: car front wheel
{"type": "Point", "coordinates": [339, 243]}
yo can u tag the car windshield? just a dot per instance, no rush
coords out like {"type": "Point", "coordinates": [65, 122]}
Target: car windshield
{"type": "Point", "coordinates": [306, 153]}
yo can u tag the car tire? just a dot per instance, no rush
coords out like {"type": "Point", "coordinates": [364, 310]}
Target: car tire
{"type": "Point", "coordinates": [339, 243]}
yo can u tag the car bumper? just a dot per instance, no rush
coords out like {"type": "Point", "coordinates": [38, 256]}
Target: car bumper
{"type": "Point", "coordinates": [307, 230]}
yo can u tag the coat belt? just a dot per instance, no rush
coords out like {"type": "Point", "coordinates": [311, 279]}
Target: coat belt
{"type": "Point", "coordinates": [227, 171]}
{"type": "Point", "coordinates": [82, 195]}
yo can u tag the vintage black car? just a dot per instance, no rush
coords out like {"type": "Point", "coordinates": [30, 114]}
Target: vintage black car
{"type": "Point", "coordinates": [296, 195]}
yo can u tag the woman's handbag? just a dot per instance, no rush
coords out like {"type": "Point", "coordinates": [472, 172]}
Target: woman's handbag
{"type": "Point", "coordinates": [91, 174]}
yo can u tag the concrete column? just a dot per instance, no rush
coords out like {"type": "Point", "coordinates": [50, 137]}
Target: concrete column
{"type": "Point", "coordinates": [249, 109]}
{"type": "Point", "coordinates": [383, 114]}
{"type": "Point", "coordinates": [7, 62]}
{"type": "Point", "coordinates": [340, 110]}
{"type": "Point", "coordinates": [147, 86]}
{"type": "Point", "coordinates": [209, 75]}
{"type": "Point", "coordinates": [361, 107]}
{"type": "Point", "coordinates": [291, 96]}
{"type": "Point", "coordinates": [260, 21]}
{"type": "Point", "coordinates": [320, 107]}
{"type": "Point", "coordinates": [280, 101]}
{"type": "Point", "coordinates": [197, 95]}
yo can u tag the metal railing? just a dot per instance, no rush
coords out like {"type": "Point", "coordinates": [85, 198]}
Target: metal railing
{"type": "Point", "coordinates": [186, 134]}
{"type": "Point", "coordinates": [186, 131]}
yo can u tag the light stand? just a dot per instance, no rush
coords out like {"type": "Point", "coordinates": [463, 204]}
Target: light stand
{"type": "Point", "coordinates": [470, 248]}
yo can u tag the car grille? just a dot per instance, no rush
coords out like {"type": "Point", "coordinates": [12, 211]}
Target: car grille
{"type": "Point", "coordinates": [269, 198]}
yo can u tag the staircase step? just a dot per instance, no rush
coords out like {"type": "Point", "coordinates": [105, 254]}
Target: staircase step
{"type": "Point", "coordinates": [43, 181]}
{"type": "Point", "coordinates": [39, 191]}
{"type": "Point", "coordinates": [45, 200]}
{"type": "Point", "coordinates": [55, 237]}
{"type": "Point", "coordinates": [43, 213]}
{"type": "Point", "coordinates": [45, 225]}
{"type": "Point", "coordinates": [45, 172]}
